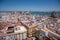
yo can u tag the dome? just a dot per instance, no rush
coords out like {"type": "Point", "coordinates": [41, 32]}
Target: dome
{"type": "Point", "coordinates": [18, 24]}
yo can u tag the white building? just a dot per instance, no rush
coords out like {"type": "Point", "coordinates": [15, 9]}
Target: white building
{"type": "Point", "coordinates": [21, 31]}
{"type": "Point", "coordinates": [5, 17]}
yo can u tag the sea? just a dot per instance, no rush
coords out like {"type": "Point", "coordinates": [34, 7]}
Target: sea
{"type": "Point", "coordinates": [32, 12]}
{"type": "Point", "coordinates": [41, 13]}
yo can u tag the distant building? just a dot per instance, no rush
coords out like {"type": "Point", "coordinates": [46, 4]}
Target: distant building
{"type": "Point", "coordinates": [55, 14]}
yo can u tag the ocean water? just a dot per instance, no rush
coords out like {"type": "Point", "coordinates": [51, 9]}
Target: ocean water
{"type": "Point", "coordinates": [32, 12]}
{"type": "Point", "coordinates": [41, 13]}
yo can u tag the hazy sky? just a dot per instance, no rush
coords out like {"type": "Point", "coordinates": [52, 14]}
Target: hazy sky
{"type": "Point", "coordinates": [30, 5]}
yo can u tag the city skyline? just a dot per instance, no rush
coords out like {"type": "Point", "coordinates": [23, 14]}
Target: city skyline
{"type": "Point", "coordinates": [29, 5]}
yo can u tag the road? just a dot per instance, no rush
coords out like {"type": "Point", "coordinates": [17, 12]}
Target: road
{"type": "Point", "coordinates": [52, 34]}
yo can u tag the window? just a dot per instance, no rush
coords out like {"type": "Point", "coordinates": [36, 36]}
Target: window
{"type": "Point", "coordinates": [17, 28]}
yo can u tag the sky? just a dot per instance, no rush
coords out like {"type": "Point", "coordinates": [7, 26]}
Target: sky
{"type": "Point", "coordinates": [29, 5]}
